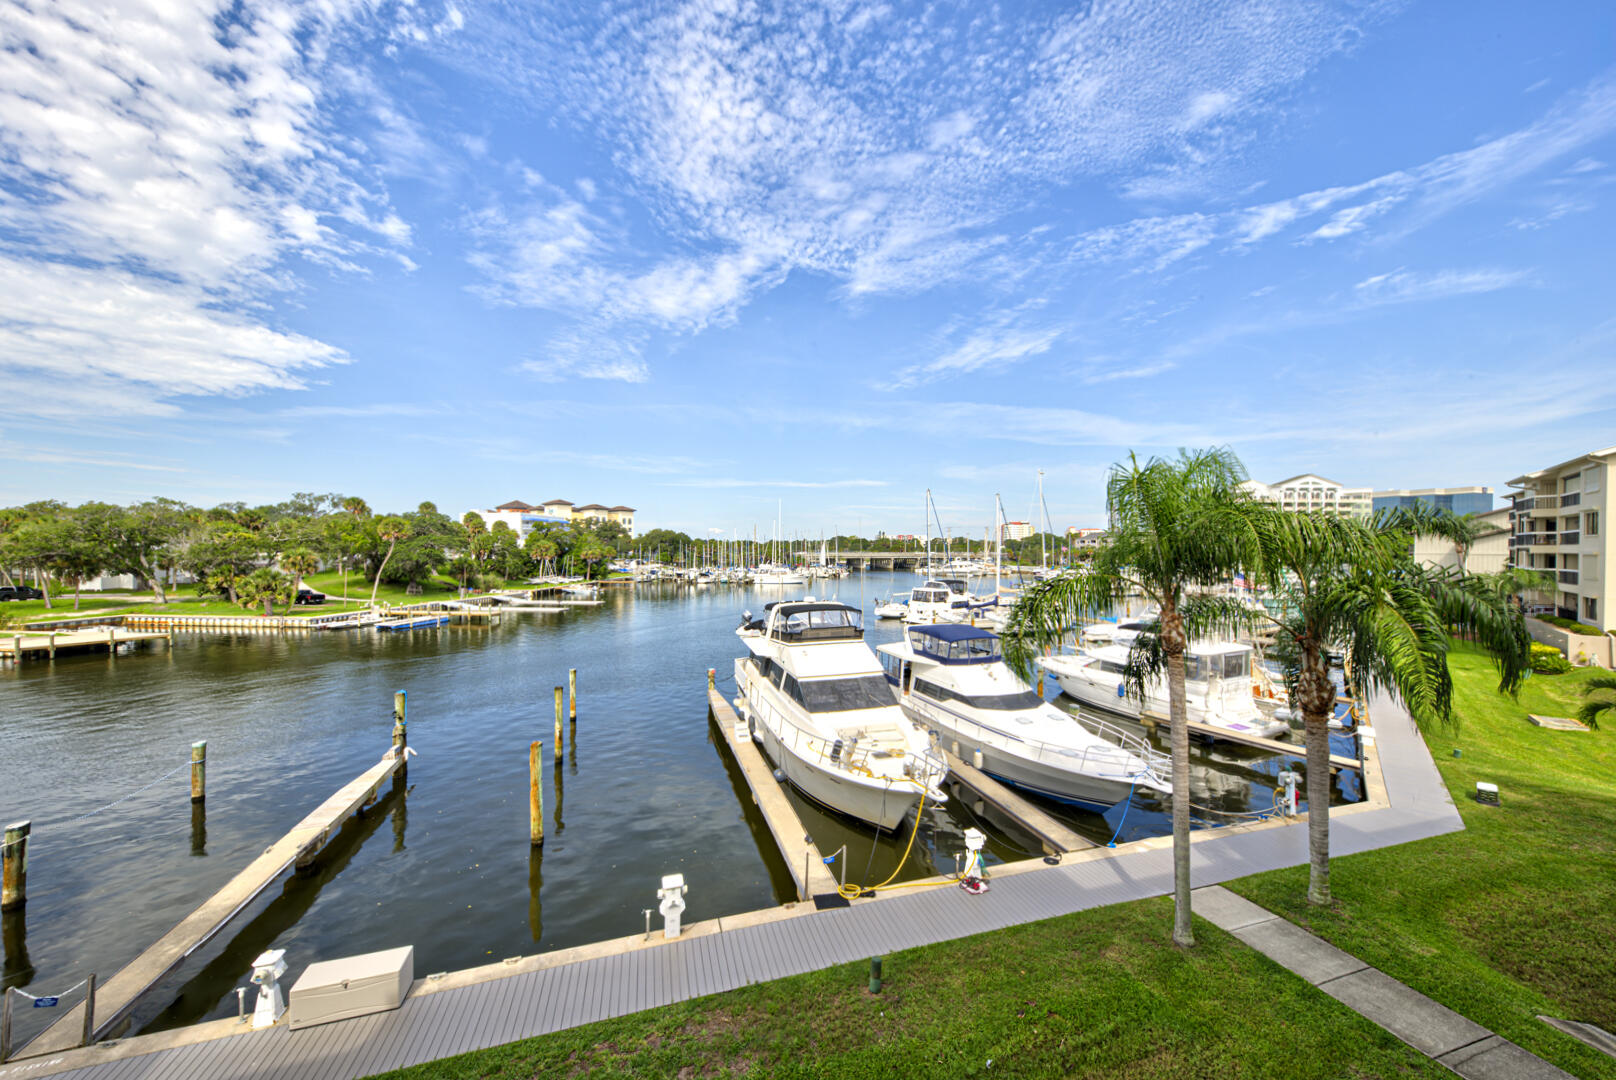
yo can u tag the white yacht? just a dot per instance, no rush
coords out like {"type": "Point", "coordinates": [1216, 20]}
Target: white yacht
{"type": "Point", "coordinates": [952, 679]}
{"type": "Point", "coordinates": [776, 574]}
{"type": "Point", "coordinates": [813, 694]}
{"type": "Point", "coordinates": [1217, 685]}
{"type": "Point", "coordinates": [895, 606]}
{"type": "Point", "coordinates": [946, 600]}
{"type": "Point", "coordinates": [1121, 632]}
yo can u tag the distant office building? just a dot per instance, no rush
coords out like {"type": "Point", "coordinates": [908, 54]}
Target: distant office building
{"type": "Point", "coordinates": [1457, 500]}
{"type": "Point", "coordinates": [1559, 516]}
{"type": "Point", "coordinates": [1017, 530]}
{"type": "Point", "coordinates": [522, 517]}
{"type": "Point", "coordinates": [1310, 491]}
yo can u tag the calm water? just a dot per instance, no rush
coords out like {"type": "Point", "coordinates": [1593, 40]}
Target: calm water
{"type": "Point", "coordinates": [442, 863]}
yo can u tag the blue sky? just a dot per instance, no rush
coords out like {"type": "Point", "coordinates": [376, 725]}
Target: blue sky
{"type": "Point", "coordinates": [701, 258]}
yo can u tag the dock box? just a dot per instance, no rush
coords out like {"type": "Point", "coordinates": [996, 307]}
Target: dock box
{"type": "Point", "coordinates": [353, 986]}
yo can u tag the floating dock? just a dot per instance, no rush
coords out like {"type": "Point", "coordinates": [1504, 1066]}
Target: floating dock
{"type": "Point", "coordinates": [1277, 746]}
{"type": "Point", "coordinates": [802, 857]}
{"type": "Point", "coordinates": [117, 997]}
{"type": "Point", "coordinates": [1055, 838]}
{"type": "Point", "coordinates": [413, 622]}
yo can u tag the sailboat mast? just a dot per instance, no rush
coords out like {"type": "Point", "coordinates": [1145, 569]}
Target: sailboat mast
{"type": "Point", "coordinates": [1043, 540]}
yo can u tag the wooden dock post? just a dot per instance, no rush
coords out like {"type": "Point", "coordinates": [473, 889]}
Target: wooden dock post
{"type": "Point", "coordinates": [400, 727]}
{"type": "Point", "coordinates": [558, 704]}
{"type": "Point", "coordinates": [535, 794]}
{"type": "Point", "coordinates": [53, 645]}
{"type": "Point", "coordinates": [14, 871]}
{"type": "Point", "coordinates": [89, 1011]}
{"type": "Point", "coordinates": [199, 771]}
{"type": "Point", "coordinates": [16, 648]}
{"type": "Point", "coordinates": [572, 693]}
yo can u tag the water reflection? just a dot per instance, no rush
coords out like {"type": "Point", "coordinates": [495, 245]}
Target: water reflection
{"type": "Point", "coordinates": [19, 969]}
{"type": "Point", "coordinates": [199, 829]}
{"type": "Point", "coordinates": [535, 883]}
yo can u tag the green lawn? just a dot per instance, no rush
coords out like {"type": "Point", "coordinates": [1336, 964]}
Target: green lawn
{"type": "Point", "coordinates": [1515, 916]}
{"type": "Point", "coordinates": [1101, 993]}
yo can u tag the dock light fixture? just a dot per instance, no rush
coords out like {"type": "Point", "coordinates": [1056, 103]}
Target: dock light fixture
{"type": "Point", "coordinates": [1486, 794]}
{"type": "Point", "coordinates": [672, 906]}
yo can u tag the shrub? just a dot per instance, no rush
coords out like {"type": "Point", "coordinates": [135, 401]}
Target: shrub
{"type": "Point", "coordinates": [1572, 625]}
{"type": "Point", "coordinates": [1546, 660]}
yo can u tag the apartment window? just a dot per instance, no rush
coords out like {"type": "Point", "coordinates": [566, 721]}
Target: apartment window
{"type": "Point", "coordinates": [1590, 610]}
{"type": "Point", "coordinates": [1590, 523]}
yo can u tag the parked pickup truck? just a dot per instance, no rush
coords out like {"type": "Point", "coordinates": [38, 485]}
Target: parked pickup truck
{"type": "Point", "coordinates": [309, 596]}
{"type": "Point", "coordinates": [20, 592]}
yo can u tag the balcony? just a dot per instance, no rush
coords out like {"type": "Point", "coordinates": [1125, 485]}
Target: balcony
{"type": "Point", "coordinates": [1540, 539]}
{"type": "Point", "coordinates": [1571, 498]}
{"type": "Point", "coordinates": [1569, 539]}
{"type": "Point", "coordinates": [1567, 577]}
{"type": "Point", "coordinates": [1537, 502]}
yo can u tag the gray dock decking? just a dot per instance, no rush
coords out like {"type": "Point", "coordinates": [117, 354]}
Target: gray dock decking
{"type": "Point", "coordinates": [437, 1023]}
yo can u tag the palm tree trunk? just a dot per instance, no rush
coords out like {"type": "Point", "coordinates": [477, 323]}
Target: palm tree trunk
{"type": "Point", "coordinates": [1173, 643]}
{"type": "Point", "coordinates": [379, 569]}
{"type": "Point", "coordinates": [1317, 695]}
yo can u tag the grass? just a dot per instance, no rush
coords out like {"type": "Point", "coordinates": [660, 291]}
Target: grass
{"type": "Point", "coordinates": [1515, 916]}
{"type": "Point", "coordinates": [1101, 993]}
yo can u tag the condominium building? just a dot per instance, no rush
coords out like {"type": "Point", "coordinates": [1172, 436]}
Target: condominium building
{"type": "Point", "coordinates": [1487, 555]}
{"type": "Point", "coordinates": [1017, 530]}
{"type": "Point", "coordinates": [522, 517]}
{"type": "Point", "coordinates": [1078, 537]}
{"type": "Point", "coordinates": [1456, 500]}
{"type": "Point", "coordinates": [1558, 520]}
{"type": "Point", "coordinates": [1310, 491]}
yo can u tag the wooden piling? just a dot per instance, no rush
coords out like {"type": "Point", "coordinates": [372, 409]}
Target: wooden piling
{"type": "Point", "coordinates": [572, 693]}
{"type": "Point", "coordinates": [400, 727]}
{"type": "Point", "coordinates": [199, 771]}
{"type": "Point", "coordinates": [14, 872]}
{"type": "Point", "coordinates": [16, 648]}
{"type": "Point", "coordinates": [558, 704]}
{"type": "Point", "coordinates": [53, 645]}
{"type": "Point", "coordinates": [535, 792]}
{"type": "Point", "coordinates": [89, 1011]}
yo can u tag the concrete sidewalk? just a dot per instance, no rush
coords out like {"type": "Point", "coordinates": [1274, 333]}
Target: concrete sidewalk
{"type": "Point", "coordinates": [1434, 1030]}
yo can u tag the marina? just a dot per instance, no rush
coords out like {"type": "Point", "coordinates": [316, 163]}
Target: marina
{"type": "Point", "coordinates": [289, 712]}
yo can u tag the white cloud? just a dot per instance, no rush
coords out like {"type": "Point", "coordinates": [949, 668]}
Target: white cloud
{"type": "Point", "coordinates": [1402, 286]}
{"type": "Point", "coordinates": [730, 482]}
{"type": "Point", "coordinates": [995, 346]}
{"type": "Point", "coordinates": [163, 166]}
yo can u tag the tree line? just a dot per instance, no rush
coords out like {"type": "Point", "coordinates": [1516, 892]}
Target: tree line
{"type": "Point", "coordinates": [259, 555]}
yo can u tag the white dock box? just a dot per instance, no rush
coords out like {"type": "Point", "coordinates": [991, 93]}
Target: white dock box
{"type": "Point", "coordinates": [353, 986]}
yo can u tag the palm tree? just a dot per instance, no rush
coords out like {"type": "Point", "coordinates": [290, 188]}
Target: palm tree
{"type": "Point", "coordinates": [1353, 586]}
{"type": "Point", "coordinates": [360, 510]}
{"type": "Point", "coordinates": [1175, 524]}
{"type": "Point", "coordinates": [1598, 699]}
{"type": "Point", "coordinates": [390, 529]}
{"type": "Point", "coordinates": [266, 585]}
{"type": "Point", "coordinates": [300, 563]}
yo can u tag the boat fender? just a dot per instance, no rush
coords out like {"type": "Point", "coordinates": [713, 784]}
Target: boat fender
{"type": "Point", "coordinates": [780, 775]}
{"type": "Point", "coordinates": [1122, 690]}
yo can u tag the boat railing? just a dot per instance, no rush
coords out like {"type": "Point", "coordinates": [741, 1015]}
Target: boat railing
{"type": "Point", "coordinates": [1113, 754]}
{"type": "Point", "coordinates": [835, 753]}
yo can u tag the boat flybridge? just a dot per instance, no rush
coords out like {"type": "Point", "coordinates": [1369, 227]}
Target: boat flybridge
{"type": "Point", "coordinates": [814, 695]}
{"type": "Point", "coordinates": [1217, 685]}
{"type": "Point", "coordinates": [946, 600]}
{"type": "Point", "coordinates": [953, 679]}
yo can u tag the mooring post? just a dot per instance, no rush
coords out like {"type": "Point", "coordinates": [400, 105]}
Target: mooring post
{"type": "Point", "coordinates": [199, 771]}
{"type": "Point", "coordinates": [89, 1011]}
{"type": "Point", "coordinates": [572, 693]}
{"type": "Point", "coordinates": [53, 645]}
{"type": "Point", "coordinates": [400, 729]}
{"type": "Point", "coordinates": [16, 648]}
{"type": "Point", "coordinates": [535, 795]}
{"type": "Point", "coordinates": [558, 704]}
{"type": "Point", "coordinates": [14, 873]}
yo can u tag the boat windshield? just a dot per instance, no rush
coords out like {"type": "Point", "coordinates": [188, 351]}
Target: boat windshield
{"type": "Point", "coordinates": [1024, 699]}
{"type": "Point", "coordinates": [1232, 665]}
{"type": "Point", "coordinates": [844, 695]}
{"type": "Point", "coordinates": [826, 623]}
{"type": "Point", "coordinates": [954, 583]}
{"type": "Point", "coordinates": [971, 650]}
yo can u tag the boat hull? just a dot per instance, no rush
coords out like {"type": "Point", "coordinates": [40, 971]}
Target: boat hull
{"type": "Point", "coordinates": [1104, 697]}
{"type": "Point", "coordinates": [882, 804]}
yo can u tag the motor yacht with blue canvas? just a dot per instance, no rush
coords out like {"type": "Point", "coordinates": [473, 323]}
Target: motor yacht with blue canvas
{"type": "Point", "coordinates": [813, 694]}
{"type": "Point", "coordinates": [953, 680]}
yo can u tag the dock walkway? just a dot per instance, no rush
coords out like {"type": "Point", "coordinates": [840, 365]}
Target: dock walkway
{"type": "Point", "coordinates": [1055, 838]}
{"type": "Point", "coordinates": [536, 995]}
{"type": "Point", "coordinates": [118, 995]}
